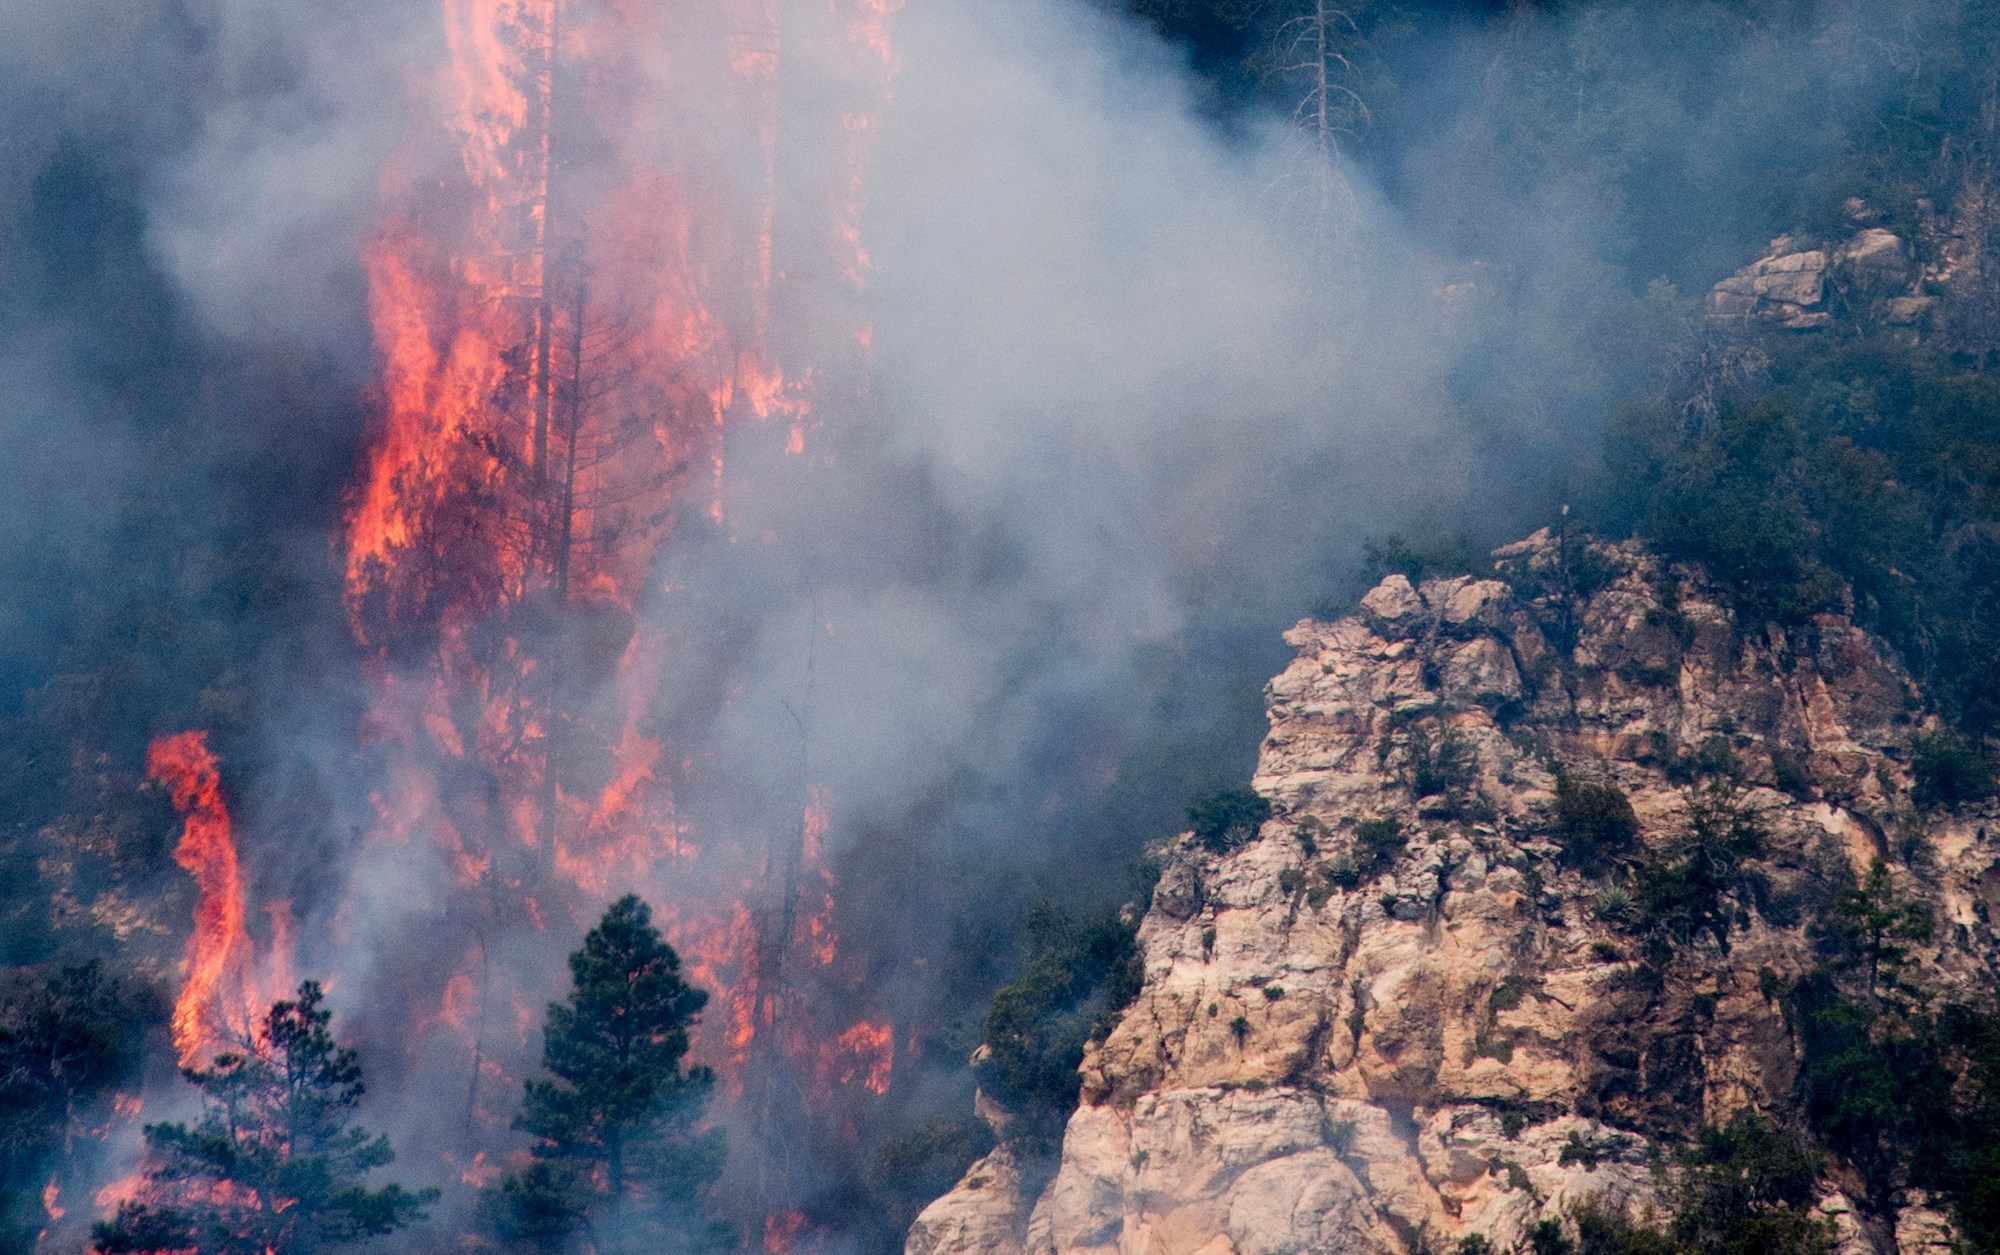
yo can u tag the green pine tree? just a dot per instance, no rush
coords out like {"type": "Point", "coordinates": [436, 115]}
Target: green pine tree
{"type": "Point", "coordinates": [616, 1146]}
{"type": "Point", "coordinates": [275, 1164]}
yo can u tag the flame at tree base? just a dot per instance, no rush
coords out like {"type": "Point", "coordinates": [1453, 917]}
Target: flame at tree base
{"type": "Point", "coordinates": [221, 996]}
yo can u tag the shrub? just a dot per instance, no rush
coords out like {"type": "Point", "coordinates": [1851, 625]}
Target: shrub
{"type": "Point", "coordinates": [1600, 1231]}
{"type": "Point", "coordinates": [1488, 1047]}
{"type": "Point", "coordinates": [1378, 843]}
{"type": "Point", "coordinates": [909, 1171]}
{"type": "Point", "coordinates": [1594, 822]}
{"type": "Point", "coordinates": [1789, 774]}
{"type": "Point", "coordinates": [1081, 971]}
{"type": "Point", "coordinates": [1948, 771]}
{"type": "Point", "coordinates": [1588, 1151]}
{"type": "Point", "coordinates": [1874, 922]}
{"type": "Point", "coordinates": [1338, 1135]}
{"type": "Point", "coordinates": [1692, 887]}
{"type": "Point", "coordinates": [1226, 819]}
{"type": "Point", "coordinates": [1442, 765]}
{"type": "Point", "coordinates": [1713, 759]}
{"type": "Point", "coordinates": [1749, 1185]}
{"type": "Point", "coordinates": [1545, 1237]}
{"type": "Point", "coordinates": [1506, 996]}
{"type": "Point", "coordinates": [1614, 906]}
{"type": "Point", "coordinates": [1307, 833]}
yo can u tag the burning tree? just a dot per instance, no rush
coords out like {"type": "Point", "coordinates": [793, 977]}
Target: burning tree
{"type": "Point", "coordinates": [275, 1164]}
{"type": "Point", "coordinates": [614, 1130]}
{"type": "Point", "coordinates": [65, 1041]}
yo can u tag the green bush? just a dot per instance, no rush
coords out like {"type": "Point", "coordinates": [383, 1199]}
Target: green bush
{"type": "Point", "coordinates": [1907, 1096]}
{"type": "Point", "coordinates": [1377, 844]}
{"type": "Point", "coordinates": [1545, 1237]}
{"type": "Point", "coordinates": [1696, 883]}
{"type": "Point", "coordinates": [1948, 771]}
{"type": "Point", "coordinates": [1507, 995]}
{"type": "Point", "coordinates": [1444, 764]}
{"type": "Point", "coordinates": [910, 1171]}
{"type": "Point", "coordinates": [1081, 971]}
{"type": "Point", "coordinates": [1594, 822]}
{"type": "Point", "coordinates": [1856, 469]}
{"type": "Point", "coordinates": [1789, 774]}
{"type": "Point", "coordinates": [1226, 819]}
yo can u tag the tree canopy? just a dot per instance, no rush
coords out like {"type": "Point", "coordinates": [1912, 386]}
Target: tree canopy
{"type": "Point", "coordinates": [275, 1163]}
{"type": "Point", "coordinates": [616, 1143]}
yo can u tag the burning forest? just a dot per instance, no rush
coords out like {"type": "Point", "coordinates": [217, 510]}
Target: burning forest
{"type": "Point", "coordinates": [618, 611]}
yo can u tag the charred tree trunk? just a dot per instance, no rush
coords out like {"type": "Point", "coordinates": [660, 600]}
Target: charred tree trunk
{"type": "Point", "coordinates": [545, 307]}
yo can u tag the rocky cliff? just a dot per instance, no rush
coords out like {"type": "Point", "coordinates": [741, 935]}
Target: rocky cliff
{"type": "Point", "coordinates": [1411, 1009]}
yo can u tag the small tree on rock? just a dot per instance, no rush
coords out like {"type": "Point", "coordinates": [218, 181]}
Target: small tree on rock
{"type": "Point", "coordinates": [274, 1165]}
{"type": "Point", "coordinates": [615, 1142]}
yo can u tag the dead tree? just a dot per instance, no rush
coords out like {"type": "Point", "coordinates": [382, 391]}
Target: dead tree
{"type": "Point", "coordinates": [1315, 54]}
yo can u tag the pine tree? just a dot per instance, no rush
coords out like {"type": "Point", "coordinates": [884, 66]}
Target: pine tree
{"type": "Point", "coordinates": [65, 1042]}
{"type": "Point", "coordinates": [275, 1164]}
{"type": "Point", "coordinates": [1876, 922]}
{"type": "Point", "coordinates": [615, 1142]}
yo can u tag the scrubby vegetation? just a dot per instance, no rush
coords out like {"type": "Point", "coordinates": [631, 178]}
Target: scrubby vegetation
{"type": "Point", "coordinates": [1694, 884]}
{"type": "Point", "coordinates": [1851, 469]}
{"type": "Point", "coordinates": [1081, 971]}
{"type": "Point", "coordinates": [67, 1040]}
{"type": "Point", "coordinates": [1228, 818]}
{"type": "Point", "coordinates": [1747, 1187]}
{"type": "Point", "coordinates": [275, 1162]}
{"type": "Point", "coordinates": [1377, 843]}
{"type": "Point", "coordinates": [1594, 823]}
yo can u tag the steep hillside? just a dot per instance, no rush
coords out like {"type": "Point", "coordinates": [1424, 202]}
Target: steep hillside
{"type": "Point", "coordinates": [1554, 864]}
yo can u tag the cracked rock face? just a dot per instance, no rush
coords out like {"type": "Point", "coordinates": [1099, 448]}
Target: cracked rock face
{"type": "Point", "coordinates": [1340, 1050]}
{"type": "Point", "coordinates": [1792, 286]}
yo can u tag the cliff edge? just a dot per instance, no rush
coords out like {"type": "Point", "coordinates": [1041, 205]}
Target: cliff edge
{"type": "Point", "coordinates": [1431, 997]}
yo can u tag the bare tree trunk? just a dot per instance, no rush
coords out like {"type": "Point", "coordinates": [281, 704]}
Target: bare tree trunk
{"type": "Point", "coordinates": [562, 550]}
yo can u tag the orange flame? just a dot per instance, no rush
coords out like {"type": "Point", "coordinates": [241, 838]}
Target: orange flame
{"type": "Point", "coordinates": [220, 996]}
{"type": "Point", "coordinates": [864, 1053]}
{"type": "Point", "coordinates": [217, 986]}
{"type": "Point", "coordinates": [124, 1190]}
{"type": "Point", "coordinates": [781, 1231]}
{"type": "Point", "coordinates": [477, 514]}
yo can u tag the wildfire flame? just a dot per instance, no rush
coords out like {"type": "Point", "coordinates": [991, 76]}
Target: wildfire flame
{"type": "Point", "coordinates": [216, 998]}
{"type": "Point", "coordinates": [559, 379]}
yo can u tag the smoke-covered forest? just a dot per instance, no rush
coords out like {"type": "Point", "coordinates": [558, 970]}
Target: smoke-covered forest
{"type": "Point", "coordinates": [597, 593]}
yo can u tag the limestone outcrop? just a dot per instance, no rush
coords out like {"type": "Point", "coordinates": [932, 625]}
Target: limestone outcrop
{"type": "Point", "coordinates": [1399, 1016]}
{"type": "Point", "coordinates": [1801, 288]}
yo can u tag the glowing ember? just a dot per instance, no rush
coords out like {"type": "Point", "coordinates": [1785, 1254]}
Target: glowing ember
{"type": "Point", "coordinates": [781, 1231]}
